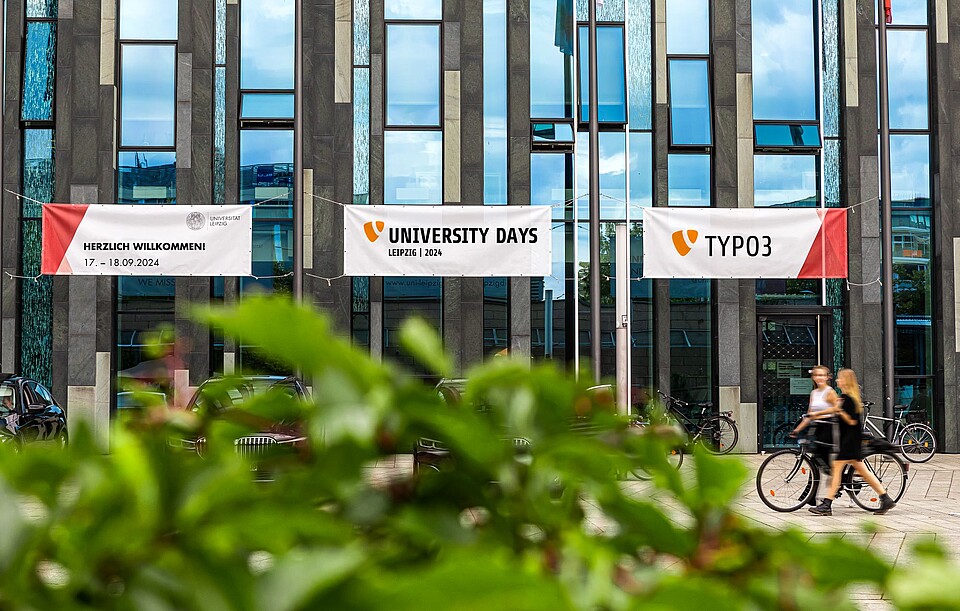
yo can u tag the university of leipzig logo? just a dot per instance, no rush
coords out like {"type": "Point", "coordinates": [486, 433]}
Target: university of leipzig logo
{"type": "Point", "coordinates": [684, 240]}
{"type": "Point", "coordinates": [373, 229]}
{"type": "Point", "coordinates": [196, 221]}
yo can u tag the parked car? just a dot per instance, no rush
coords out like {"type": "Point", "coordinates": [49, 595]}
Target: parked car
{"type": "Point", "coordinates": [29, 413]}
{"type": "Point", "coordinates": [225, 397]}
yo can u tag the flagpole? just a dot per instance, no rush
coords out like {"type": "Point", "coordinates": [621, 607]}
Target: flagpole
{"type": "Point", "coordinates": [886, 216]}
{"type": "Point", "coordinates": [594, 196]}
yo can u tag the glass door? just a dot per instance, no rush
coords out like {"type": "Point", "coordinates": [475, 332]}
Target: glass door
{"type": "Point", "coordinates": [790, 345]}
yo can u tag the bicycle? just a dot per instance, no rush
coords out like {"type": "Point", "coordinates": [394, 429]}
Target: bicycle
{"type": "Point", "coordinates": [675, 457]}
{"type": "Point", "coordinates": [788, 479]}
{"type": "Point", "coordinates": [916, 441]}
{"type": "Point", "coordinates": [781, 434]}
{"type": "Point", "coordinates": [718, 434]}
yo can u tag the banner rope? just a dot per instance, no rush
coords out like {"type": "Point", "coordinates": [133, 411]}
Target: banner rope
{"type": "Point", "coordinates": [260, 203]}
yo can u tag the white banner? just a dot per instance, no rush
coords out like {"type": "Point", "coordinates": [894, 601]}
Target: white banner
{"type": "Point", "coordinates": [146, 240]}
{"type": "Point", "coordinates": [744, 243]}
{"type": "Point", "coordinates": [446, 241]}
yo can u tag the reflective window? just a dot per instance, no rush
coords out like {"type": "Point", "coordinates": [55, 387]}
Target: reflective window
{"type": "Point", "coordinates": [785, 180]}
{"type": "Point", "coordinates": [38, 169]}
{"type": "Point", "coordinates": [147, 95]}
{"type": "Point", "coordinates": [41, 9]}
{"type": "Point", "coordinates": [266, 171]}
{"type": "Point", "coordinates": [640, 65]}
{"type": "Point", "coordinates": [146, 177]}
{"type": "Point", "coordinates": [39, 66]}
{"type": "Point", "coordinates": [688, 180]}
{"type": "Point", "coordinates": [551, 182]}
{"type": "Point", "coordinates": [613, 175]}
{"type": "Point", "coordinates": [272, 256]}
{"type": "Point", "coordinates": [552, 132]}
{"type": "Point", "coordinates": [689, 102]}
{"type": "Point", "coordinates": [611, 75]}
{"type": "Point", "coordinates": [361, 32]}
{"type": "Point", "coordinates": [608, 297]}
{"type": "Point", "coordinates": [496, 317]}
{"type": "Point", "coordinates": [691, 340]}
{"type": "Point", "coordinates": [360, 311]}
{"type": "Point", "coordinates": [407, 9]}
{"type": "Point", "coordinates": [551, 59]}
{"type": "Point", "coordinates": [641, 173]}
{"type": "Point", "coordinates": [909, 12]}
{"type": "Point", "coordinates": [907, 69]}
{"type": "Point", "coordinates": [641, 321]}
{"type": "Point", "coordinates": [910, 169]}
{"type": "Point", "coordinates": [607, 10]}
{"type": "Point", "coordinates": [786, 135]}
{"type": "Point", "coordinates": [148, 19]}
{"type": "Point", "coordinates": [361, 135]}
{"type": "Point", "coordinates": [266, 44]}
{"type": "Point", "coordinates": [413, 75]}
{"type": "Point", "coordinates": [495, 102]}
{"type": "Point", "coordinates": [688, 27]}
{"type": "Point", "coordinates": [220, 135]}
{"type": "Point", "coordinates": [549, 316]}
{"type": "Point", "coordinates": [830, 77]}
{"type": "Point", "coordinates": [403, 298]}
{"type": "Point", "coordinates": [784, 62]}
{"type": "Point", "coordinates": [266, 106]}
{"type": "Point", "coordinates": [788, 291]}
{"type": "Point", "coordinates": [220, 33]}
{"type": "Point", "coordinates": [913, 294]}
{"type": "Point", "coordinates": [412, 167]}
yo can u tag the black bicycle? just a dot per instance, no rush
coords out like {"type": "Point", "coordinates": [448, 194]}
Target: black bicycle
{"type": "Point", "coordinates": [787, 480]}
{"type": "Point", "coordinates": [717, 433]}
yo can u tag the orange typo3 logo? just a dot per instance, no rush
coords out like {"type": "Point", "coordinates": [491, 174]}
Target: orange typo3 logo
{"type": "Point", "coordinates": [683, 240]}
{"type": "Point", "coordinates": [373, 229]}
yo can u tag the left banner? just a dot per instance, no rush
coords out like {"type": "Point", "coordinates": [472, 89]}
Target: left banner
{"type": "Point", "coordinates": [146, 240]}
{"type": "Point", "coordinates": [446, 241]}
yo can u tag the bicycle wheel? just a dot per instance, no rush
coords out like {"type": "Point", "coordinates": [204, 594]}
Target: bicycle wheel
{"type": "Point", "coordinates": [886, 467]}
{"type": "Point", "coordinates": [719, 434]}
{"type": "Point", "coordinates": [675, 458]}
{"type": "Point", "coordinates": [917, 442]}
{"type": "Point", "coordinates": [786, 480]}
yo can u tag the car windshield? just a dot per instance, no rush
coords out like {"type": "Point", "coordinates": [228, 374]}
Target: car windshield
{"type": "Point", "coordinates": [226, 393]}
{"type": "Point", "coordinates": [8, 401]}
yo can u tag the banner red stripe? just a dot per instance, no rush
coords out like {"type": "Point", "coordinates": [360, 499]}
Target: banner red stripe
{"type": "Point", "coordinates": [59, 225]}
{"type": "Point", "coordinates": [828, 253]}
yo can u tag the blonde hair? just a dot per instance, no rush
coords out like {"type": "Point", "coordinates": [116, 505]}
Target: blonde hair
{"type": "Point", "coordinates": [850, 387]}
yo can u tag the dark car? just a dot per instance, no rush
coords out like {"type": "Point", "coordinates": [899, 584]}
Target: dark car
{"type": "Point", "coordinates": [29, 413]}
{"type": "Point", "coordinates": [224, 398]}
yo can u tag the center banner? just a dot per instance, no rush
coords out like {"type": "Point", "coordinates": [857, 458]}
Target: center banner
{"type": "Point", "coordinates": [744, 243]}
{"type": "Point", "coordinates": [446, 241]}
{"type": "Point", "coordinates": [146, 240]}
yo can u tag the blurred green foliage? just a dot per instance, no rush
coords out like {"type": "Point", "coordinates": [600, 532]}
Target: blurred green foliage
{"type": "Point", "coordinates": [151, 526]}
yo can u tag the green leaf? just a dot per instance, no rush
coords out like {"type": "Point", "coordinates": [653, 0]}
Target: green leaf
{"type": "Point", "coordinates": [302, 575]}
{"type": "Point", "coordinates": [421, 341]}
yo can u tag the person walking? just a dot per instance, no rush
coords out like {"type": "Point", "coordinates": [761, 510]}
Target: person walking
{"type": "Point", "coordinates": [849, 407]}
{"type": "Point", "coordinates": [820, 407]}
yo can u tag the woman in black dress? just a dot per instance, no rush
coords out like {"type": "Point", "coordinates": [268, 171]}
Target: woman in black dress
{"type": "Point", "coordinates": [850, 409]}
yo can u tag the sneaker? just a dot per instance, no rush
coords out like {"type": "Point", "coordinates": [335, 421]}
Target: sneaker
{"type": "Point", "coordinates": [823, 509]}
{"type": "Point", "coordinates": [886, 504]}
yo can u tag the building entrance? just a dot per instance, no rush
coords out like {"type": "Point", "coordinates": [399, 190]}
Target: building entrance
{"type": "Point", "coordinates": [790, 344]}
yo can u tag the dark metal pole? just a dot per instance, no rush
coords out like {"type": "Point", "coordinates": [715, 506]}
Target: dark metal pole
{"type": "Point", "coordinates": [594, 197]}
{"type": "Point", "coordinates": [886, 219]}
{"type": "Point", "coordinates": [298, 155]}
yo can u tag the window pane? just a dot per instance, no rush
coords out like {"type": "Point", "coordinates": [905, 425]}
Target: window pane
{"type": "Point", "coordinates": [913, 292]}
{"type": "Point", "coordinates": [147, 95]}
{"type": "Point", "coordinates": [613, 175]}
{"type": "Point", "coordinates": [36, 308]}
{"type": "Point", "coordinates": [39, 64]}
{"type": "Point", "coordinates": [142, 340]}
{"type": "Point", "coordinates": [910, 170]}
{"type": "Point", "coordinates": [148, 19]}
{"type": "Point", "coordinates": [272, 256]}
{"type": "Point", "coordinates": [551, 183]}
{"type": "Point", "coordinates": [496, 320]}
{"type": "Point", "coordinates": [640, 64]}
{"type": "Point", "coordinates": [831, 175]}
{"type": "Point", "coordinates": [551, 59]}
{"type": "Point", "coordinates": [688, 180]}
{"type": "Point", "coordinates": [830, 79]}
{"type": "Point", "coordinates": [611, 75]}
{"type": "Point", "coordinates": [220, 33]}
{"type": "Point", "coordinates": [421, 9]}
{"type": "Point", "coordinates": [641, 173]}
{"type": "Point", "coordinates": [909, 12]}
{"type": "Point", "coordinates": [403, 298]}
{"type": "Point", "coordinates": [785, 180]}
{"type": "Point", "coordinates": [266, 171]}
{"type": "Point", "coordinates": [361, 135]}
{"type": "Point", "coordinates": [360, 311]}
{"type": "Point", "coordinates": [413, 75]}
{"type": "Point", "coordinates": [361, 32]}
{"type": "Point", "coordinates": [495, 102]}
{"type": "Point", "coordinates": [789, 135]}
{"type": "Point", "coordinates": [907, 67]}
{"type": "Point", "coordinates": [607, 10]}
{"type": "Point", "coordinates": [550, 319]}
{"type": "Point", "coordinates": [266, 106]}
{"type": "Point", "coordinates": [219, 135]}
{"type": "Point", "coordinates": [266, 44]}
{"type": "Point", "coordinates": [552, 132]}
{"type": "Point", "coordinates": [784, 64]}
{"type": "Point", "coordinates": [641, 320]}
{"type": "Point", "coordinates": [608, 297]}
{"type": "Point", "coordinates": [38, 169]}
{"type": "Point", "coordinates": [691, 340]}
{"type": "Point", "coordinates": [412, 167]}
{"type": "Point", "coordinates": [788, 291]}
{"type": "Point", "coordinates": [41, 8]}
{"type": "Point", "coordinates": [146, 178]}
{"type": "Point", "coordinates": [689, 102]}
{"type": "Point", "coordinates": [688, 27]}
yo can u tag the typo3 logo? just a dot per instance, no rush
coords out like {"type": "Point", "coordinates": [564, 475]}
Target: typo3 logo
{"type": "Point", "coordinates": [373, 229]}
{"type": "Point", "coordinates": [684, 240]}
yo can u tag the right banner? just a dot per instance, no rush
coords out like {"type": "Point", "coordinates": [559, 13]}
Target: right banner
{"type": "Point", "coordinates": [744, 243]}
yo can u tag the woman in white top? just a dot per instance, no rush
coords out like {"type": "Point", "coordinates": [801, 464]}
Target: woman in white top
{"type": "Point", "coordinates": [823, 399]}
